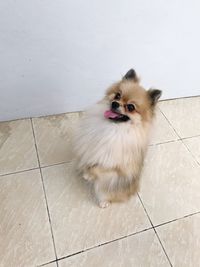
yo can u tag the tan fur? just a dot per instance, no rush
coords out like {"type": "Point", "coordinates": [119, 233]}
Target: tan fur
{"type": "Point", "coordinates": [132, 93]}
{"type": "Point", "coordinates": [111, 154]}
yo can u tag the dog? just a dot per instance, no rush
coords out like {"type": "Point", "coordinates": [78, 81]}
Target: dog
{"type": "Point", "coordinates": [112, 138]}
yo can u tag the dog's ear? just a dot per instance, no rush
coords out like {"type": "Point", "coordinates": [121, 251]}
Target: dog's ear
{"type": "Point", "coordinates": [154, 95]}
{"type": "Point", "coordinates": [131, 75]}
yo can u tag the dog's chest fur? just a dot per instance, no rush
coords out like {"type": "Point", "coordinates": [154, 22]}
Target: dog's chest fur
{"type": "Point", "coordinates": [109, 144]}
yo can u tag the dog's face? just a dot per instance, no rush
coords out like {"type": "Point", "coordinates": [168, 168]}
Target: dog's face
{"type": "Point", "coordinates": [129, 102]}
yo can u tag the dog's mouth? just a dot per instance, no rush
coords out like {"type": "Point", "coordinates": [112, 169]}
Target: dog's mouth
{"type": "Point", "coordinates": [115, 116]}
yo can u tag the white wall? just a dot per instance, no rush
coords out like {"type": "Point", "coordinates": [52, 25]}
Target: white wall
{"type": "Point", "coordinates": [60, 55]}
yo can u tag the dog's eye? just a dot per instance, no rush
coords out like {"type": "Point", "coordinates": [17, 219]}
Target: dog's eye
{"type": "Point", "coordinates": [117, 96]}
{"type": "Point", "coordinates": [130, 107]}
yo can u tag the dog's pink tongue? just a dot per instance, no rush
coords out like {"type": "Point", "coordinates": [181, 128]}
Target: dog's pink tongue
{"type": "Point", "coordinates": [110, 114]}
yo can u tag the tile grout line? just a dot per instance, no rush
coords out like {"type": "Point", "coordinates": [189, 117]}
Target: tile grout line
{"type": "Point", "coordinates": [44, 191]}
{"type": "Point", "coordinates": [43, 116]}
{"type": "Point", "coordinates": [159, 240]}
{"type": "Point", "coordinates": [170, 123]}
{"type": "Point", "coordinates": [100, 245]}
{"type": "Point", "coordinates": [124, 237]}
{"type": "Point", "coordinates": [36, 168]}
{"type": "Point", "coordinates": [164, 250]}
{"type": "Point", "coordinates": [189, 137]}
{"type": "Point", "coordinates": [16, 172]}
{"type": "Point", "coordinates": [177, 219]}
{"type": "Point", "coordinates": [47, 263]}
{"type": "Point", "coordinates": [162, 143]}
{"type": "Point", "coordinates": [177, 98]}
{"type": "Point", "coordinates": [181, 139]}
{"type": "Point", "coordinates": [56, 164]}
{"type": "Point", "coordinates": [49, 217]}
{"type": "Point", "coordinates": [190, 152]}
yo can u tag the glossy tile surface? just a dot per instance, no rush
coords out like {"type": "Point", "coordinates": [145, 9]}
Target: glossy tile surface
{"type": "Point", "coordinates": [17, 148]}
{"type": "Point", "coordinates": [53, 135]}
{"type": "Point", "coordinates": [169, 191]}
{"type": "Point", "coordinates": [24, 226]}
{"type": "Point", "coordinates": [170, 183]}
{"type": "Point", "coordinates": [193, 144]}
{"type": "Point", "coordinates": [183, 114]}
{"type": "Point", "coordinates": [78, 223]}
{"type": "Point", "coordinates": [162, 131]}
{"type": "Point", "coordinates": [181, 240]}
{"type": "Point", "coordinates": [141, 250]}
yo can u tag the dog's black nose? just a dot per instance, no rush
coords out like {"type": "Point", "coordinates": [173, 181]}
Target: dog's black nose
{"type": "Point", "coordinates": [115, 105]}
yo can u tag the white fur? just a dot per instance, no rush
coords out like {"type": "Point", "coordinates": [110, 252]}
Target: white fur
{"type": "Point", "coordinates": [99, 141]}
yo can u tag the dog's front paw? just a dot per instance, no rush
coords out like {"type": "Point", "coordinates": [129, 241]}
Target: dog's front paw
{"type": "Point", "coordinates": [87, 176]}
{"type": "Point", "coordinates": [104, 204]}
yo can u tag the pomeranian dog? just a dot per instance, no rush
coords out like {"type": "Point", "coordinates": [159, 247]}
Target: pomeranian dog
{"type": "Point", "coordinates": [112, 139]}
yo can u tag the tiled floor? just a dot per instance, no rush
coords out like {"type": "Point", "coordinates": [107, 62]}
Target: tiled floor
{"type": "Point", "coordinates": [48, 216]}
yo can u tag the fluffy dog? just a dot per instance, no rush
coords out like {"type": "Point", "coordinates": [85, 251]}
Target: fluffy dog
{"type": "Point", "coordinates": [112, 139]}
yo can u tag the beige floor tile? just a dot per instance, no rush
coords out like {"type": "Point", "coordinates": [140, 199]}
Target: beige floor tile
{"type": "Point", "coordinates": [53, 135]}
{"type": "Point", "coordinates": [24, 227]}
{"type": "Point", "coordinates": [183, 114]}
{"type": "Point", "coordinates": [181, 240]}
{"type": "Point", "coordinates": [78, 223]}
{"type": "Point", "coordinates": [17, 148]}
{"type": "Point", "coordinates": [170, 182]}
{"type": "Point", "coordinates": [141, 250]}
{"type": "Point", "coordinates": [162, 130]}
{"type": "Point", "coordinates": [193, 145]}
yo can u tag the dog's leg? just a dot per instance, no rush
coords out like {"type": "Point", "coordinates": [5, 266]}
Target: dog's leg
{"type": "Point", "coordinates": [103, 186]}
{"type": "Point", "coordinates": [102, 197]}
{"type": "Point", "coordinates": [95, 174]}
{"type": "Point", "coordinates": [90, 174]}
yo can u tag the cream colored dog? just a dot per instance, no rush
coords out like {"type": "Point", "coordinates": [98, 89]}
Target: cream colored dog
{"type": "Point", "coordinates": [112, 139]}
